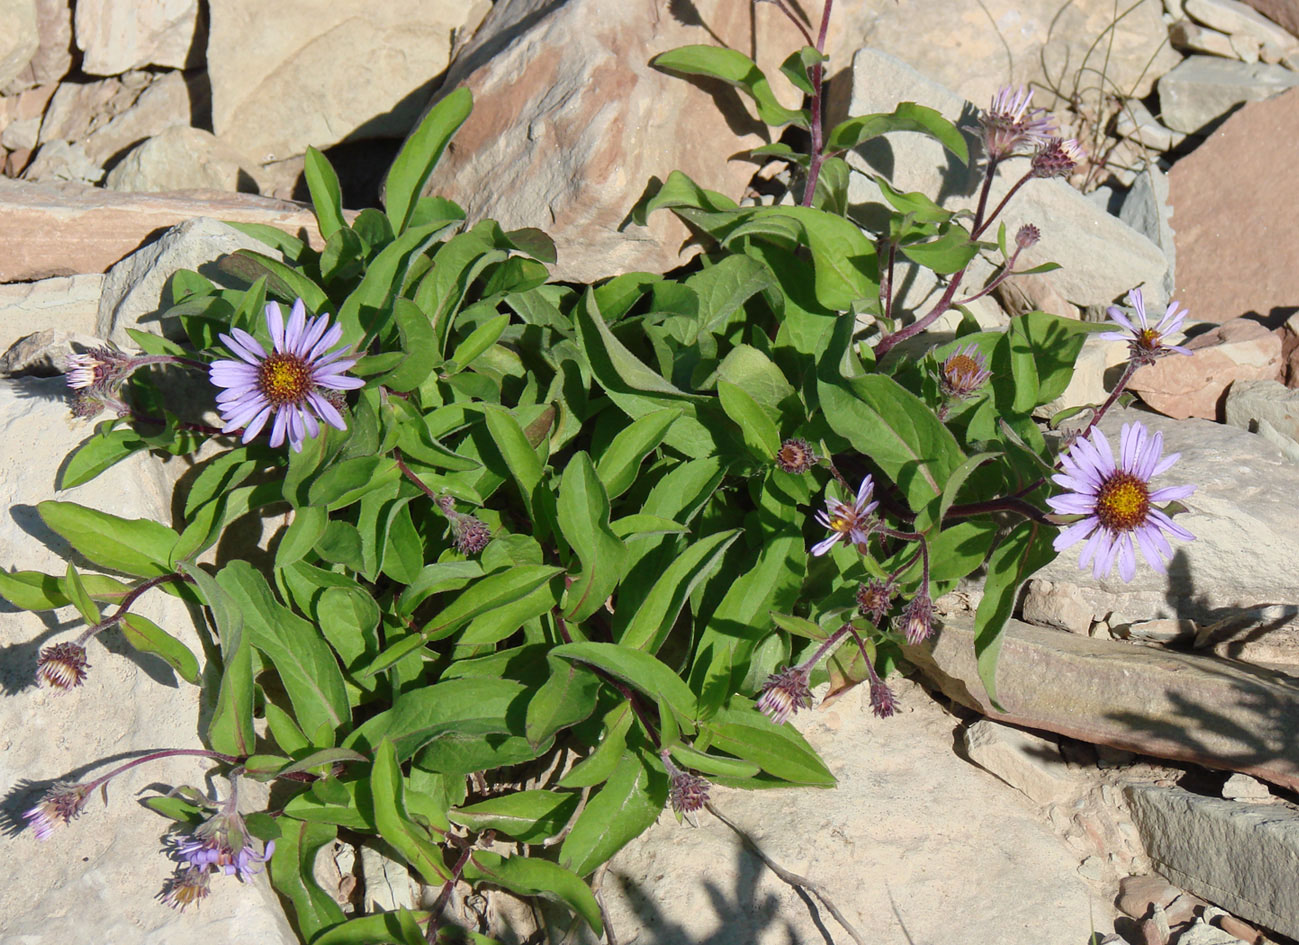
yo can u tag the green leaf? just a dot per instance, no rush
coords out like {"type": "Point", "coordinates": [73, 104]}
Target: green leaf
{"type": "Point", "coordinates": [1022, 552]}
{"type": "Point", "coordinates": [564, 699]}
{"type": "Point", "coordinates": [80, 597]}
{"type": "Point", "coordinates": [300, 537]}
{"type": "Point", "coordinates": [230, 729]}
{"type": "Point", "coordinates": [598, 766]}
{"type": "Point", "coordinates": [1053, 343]}
{"type": "Point", "coordinates": [520, 456]}
{"type": "Point", "coordinates": [527, 816]}
{"type": "Point", "coordinates": [326, 196]}
{"type": "Point", "coordinates": [637, 525]}
{"type": "Point", "coordinates": [736, 69]}
{"type": "Point", "coordinates": [348, 481]}
{"type": "Point", "coordinates": [713, 764]}
{"type": "Point", "coordinates": [466, 706]}
{"type": "Point", "coordinates": [99, 453]}
{"type": "Point", "coordinates": [777, 749]}
{"type": "Point", "coordinates": [907, 116]}
{"type": "Point", "coordinates": [147, 637]}
{"type": "Point", "coordinates": [418, 344]}
{"type": "Point", "coordinates": [652, 618]}
{"type": "Point", "coordinates": [583, 514]}
{"type": "Point", "coordinates": [478, 341]}
{"type": "Point", "coordinates": [304, 662]}
{"type": "Point", "coordinates": [615, 815]}
{"type": "Point", "coordinates": [622, 458]}
{"type": "Point", "coordinates": [293, 874]}
{"type": "Point", "coordinates": [394, 823]}
{"type": "Point", "coordinates": [419, 155]}
{"type": "Point", "coordinates": [843, 258]}
{"type": "Point", "coordinates": [32, 590]}
{"type": "Point", "coordinates": [529, 876]}
{"type": "Point", "coordinates": [950, 252]}
{"type": "Point", "coordinates": [135, 546]}
{"type": "Point", "coordinates": [761, 435]}
{"type": "Point", "coordinates": [285, 281]}
{"type": "Point", "coordinates": [638, 669]}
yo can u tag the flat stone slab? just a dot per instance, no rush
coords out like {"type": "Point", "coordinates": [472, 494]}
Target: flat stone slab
{"type": "Point", "coordinates": [1238, 855]}
{"type": "Point", "coordinates": [1181, 706]}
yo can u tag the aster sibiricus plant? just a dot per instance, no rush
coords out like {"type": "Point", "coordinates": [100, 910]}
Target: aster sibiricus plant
{"type": "Point", "coordinates": [1146, 342]}
{"type": "Point", "coordinates": [963, 372]}
{"type": "Point", "coordinates": [850, 522]}
{"type": "Point", "coordinates": [1010, 123]}
{"type": "Point", "coordinates": [1117, 502]}
{"type": "Point", "coordinates": [290, 382]}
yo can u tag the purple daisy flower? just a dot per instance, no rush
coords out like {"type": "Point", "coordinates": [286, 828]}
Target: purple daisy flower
{"type": "Point", "coordinates": [292, 381]}
{"type": "Point", "coordinates": [963, 372]}
{"type": "Point", "coordinates": [847, 521]}
{"type": "Point", "coordinates": [1117, 502]}
{"type": "Point", "coordinates": [1146, 341]}
{"type": "Point", "coordinates": [1009, 122]}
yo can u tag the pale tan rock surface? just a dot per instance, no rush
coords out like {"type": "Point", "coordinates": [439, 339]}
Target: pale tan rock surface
{"type": "Point", "coordinates": [570, 123]}
{"type": "Point", "coordinates": [913, 844]}
{"type": "Point", "coordinates": [314, 72]}
{"type": "Point", "coordinates": [119, 35]}
{"type": "Point", "coordinates": [182, 158]}
{"type": "Point", "coordinates": [1232, 198]}
{"type": "Point", "coordinates": [96, 880]}
{"type": "Point", "coordinates": [19, 38]}
{"type": "Point", "coordinates": [1179, 386]}
{"type": "Point", "coordinates": [53, 56]}
{"type": "Point", "coordinates": [54, 231]}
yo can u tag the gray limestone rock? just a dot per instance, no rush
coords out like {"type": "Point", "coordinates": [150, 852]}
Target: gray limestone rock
{"type": "Point", "coordinates": [1027, 762]}
{"type": "Point", "coordinates": [64, 304]}
{"type": "Point", "coordinates": [1204, 88]}
{"type": "Point", "coordinates": [182, 158]}
{"type": "Point", "coordinates": [1240, 856]}
{"type": "Point", "coordinates": [1251, 404]}
{"type": "Point", "coordinates": [1146, 209]}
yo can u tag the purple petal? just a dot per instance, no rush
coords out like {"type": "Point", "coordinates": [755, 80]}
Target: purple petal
{"type": "Point", "coordinates": [1117, 316]}
{"type": "Point", "coordinates": [1127, 559]}
{"type": "Point", "coordinates": [1075, 533]}
{"type": "Point", "coordinates": [327, 411]}
{"type": "Point", "coordinates": [297, 322]}
{"type": "Point", "coordinates": [1166, 523]}
{"type": "Point", "coordinates": [244, 346]}
{"type": "Point", "coordinates": [254, 426]}
{"type": "Point", "coordinates": [1137, 302]}
{"type": "Point", "coordinates": [324, 344]}
{"type": "Point", "coordinates": [1100, 541]}
{"type": "Point", "coordinates": [314, 330]}
{"type": "Point", "coordinates": [1104, 454]}
{"type": "Point", "coordinates": [275, 325]}
{"type": "Point", "coordinates": [821, 547]}
{"type": "Point", "coordinates": [1171, 493]}
{"type": "Point", "coordinates": [279, 428]}
{"type": "Point", "coordinates": [339, 382]}
{"type": "Point", "coordinates": [1165, 464]}
{"type": "Point", "coordinates": [1072, 504]}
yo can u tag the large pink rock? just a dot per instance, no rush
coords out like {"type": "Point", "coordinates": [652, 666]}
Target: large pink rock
{"type": "Point", "coordinates": [1283, 12]}
{"type": "Point", "coordinates": [1180, 387]}
{"type": "Point", "coordinates": [570, 122]}
{"type": "Point", "coordinates": [1233, 201]}
{"type": "Point", "coordinates": [52, 230]}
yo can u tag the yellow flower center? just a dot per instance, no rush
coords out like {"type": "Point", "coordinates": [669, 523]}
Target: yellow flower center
{"type": "Point", "coordinates": [1122, 502]}
{"type": "Point", "coordinates": [1148, 338]}
{"type": "Point", "coordinates": [961, 367]}
{"type": "Point", "coordinates": [842, 524]}
{"type": "Point", "coordinates": [284, 379]}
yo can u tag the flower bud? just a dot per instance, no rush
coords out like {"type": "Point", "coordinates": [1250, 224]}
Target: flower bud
{"type": "Point", "coordinates": [784, 693]}
{"type": "Point", "coordinates": [62, 666]}
{"type": "Point", "coordinates": [796, 456]}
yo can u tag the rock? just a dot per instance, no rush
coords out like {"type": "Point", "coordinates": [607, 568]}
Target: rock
{"type": "Point", "coordinates": [1163, 630]}
{"type": "Point", "coordinates": [365, 68]}
{"type": "Point", "coordinates": [56, 231]}
{"type": "Point", "coordinates": [1204, 88]}
{"type": "Point", "coordinates": [1239, 19]}
{"type": "Point", "coordinates": [1044, 606]}
{"type": "Point", "coordinates": [1180, 387]}
{"type": "Point", "coordinates": [63, 161]}
{"type": "Point", "coordinates": [1146, 209]}
{"type": "Point", "coordinates": [1241, 787]}
{"type": "Point", "coordinates": [1139, 894]}
{"type": "Point", "coordinates": [53, 57]}
{"type": "Point", "coordinates": [117, 36]}
{"type": "Point", "coordinates": [137, 286]}
{"type": "Point", "coordinates": [97, 878]}
{"type": "Point", "coordinates": [1284, 13]}
{"type": "Point", "coordinates": [1258, 641]}
{"type": "Point", "coordinates": [1237, 855]}
{"type": "Point", "coordinates": [898, 876]}
{"type": "Point", "coordinates": [1094, 375]}
{"type": "Point", "coordinates": [1102, 257]}
{"type": "Point", "coordinates": [19, 38]}
{"type": "Point", "coordinates": [1242, 504]}
{"type": "Point", "coordinates": [975, 47]}
{"type": "Point", "coordinates": [62, 308]}
{"type": "Point", "coordinates": [1137, 124]}
{"type": "Point", "coordinates": [1250, 403]}
{"type": "Point", "coordinates": [1132, 697]}
{"type": "Point", "coordinates": [554, 100]}
{"type": "Point", "coordinates": [1027, 762]}
{"type": "Point", "coordinates": [182, 158]}
{"type": "Point", "coordinates": [1190, 37]}
{"type": "Point", "coordinates": [1202, 933]}
{"type": "Point", "coordinates": [1263, 267]}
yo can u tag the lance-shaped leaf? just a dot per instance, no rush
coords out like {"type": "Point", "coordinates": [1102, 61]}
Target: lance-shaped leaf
{"type": "Point", "coordinates": [564, 699]}
{"type": "Point", "coordinates": [736, 69]}
{"type": "Point", "coordinates": [230, 729]}
{"type": "Point", "coordinates": [419, 155]}
{"type": "Point", "coordinates": [147, 637]}
{"type": "Point", "coordinates": [583, 514]}
{"type": "Point", "coordinates": [615, 815]}
{"type": "Point", "coordinates": [636, 668]}
{"type": "Point", "coordinates": [908, 116]}
{"type": "Point", "coordinates": [136, 546]}
{"type": "Point", "coordinates": [527, 816]}
{"type": "Point", "coordinates": [293, 874]}
{"type": "Point", "coordinates": [472, 705]}
{"type": "Point", "coordinates": [777, 749]}
{"type": "Point", "coordinates": [394, 823]}
{"type": "Point", "coordinates": [98, 453]}
{"type": "Point", "coordinates": [528, 876]}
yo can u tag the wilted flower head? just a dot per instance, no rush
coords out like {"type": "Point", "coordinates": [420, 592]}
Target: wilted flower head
{"type": "Point", "coordinates": [874, 599]}
{"type": "Point", "coordinates": [286, 382]}
{"type": "Point", "coordinates": [883, 702]}
{"type": "Point", "coordinates": [1027, 235]}
{"type": "Point", "coordinates": [1117, 502]}
{"type": "Point", "coordinates": [964, 372]}
{"type": "Point", "coordinates": [62, 666]}
{"type": "Point", "coordinates": [796, 456]}
{"type": "Point", "coordinates": [784, 693]}
{"type": "Point", "coordinates": [688, 792]}
{"type": "Point", "coordinates": [1145, 341]}
{"type": "Point", "coordinates": [469, 533]}
{"type": "Point", "coordinates": [918, 618]}
{"type": "Point", "coordinates": [1057, 158]}
{"type": "Point", "coordinates": [852, 522]}
{"type": "Point", "coordinates": [1010, 123]}
{"type": "Point", "coordinates": [188, 887]}
{"type": "Point", "coordinates": [62, 803]}
{"type": "Point", "coordinates": [100, 370]}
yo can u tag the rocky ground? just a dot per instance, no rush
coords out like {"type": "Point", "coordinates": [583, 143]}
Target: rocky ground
{"type": "Point", "coordinates": [1140, 782]}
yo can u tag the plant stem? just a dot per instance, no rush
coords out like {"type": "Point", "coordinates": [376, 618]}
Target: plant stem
{"type": "Point", "coordinates": [154, 756]}
{"type": "Point", "coordinates": [817, 76]}
{"type": "Point", "coordinates": [125, 605]}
